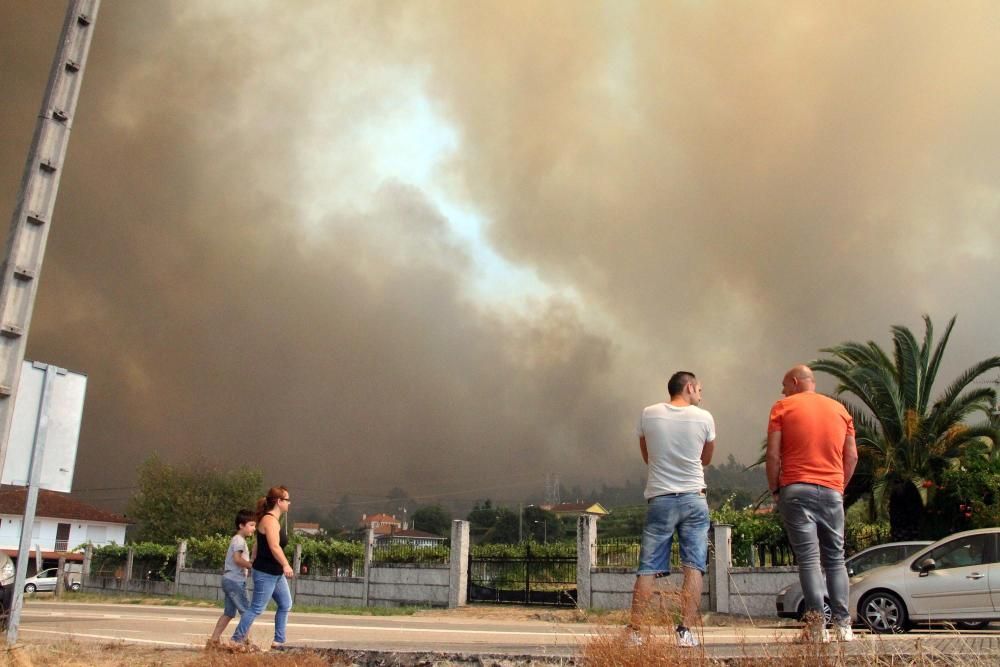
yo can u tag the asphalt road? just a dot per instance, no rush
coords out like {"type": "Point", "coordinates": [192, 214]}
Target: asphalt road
{"type": "Point", "coordinates": [184, 627]}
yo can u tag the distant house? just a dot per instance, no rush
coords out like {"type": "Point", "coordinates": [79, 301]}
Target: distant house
{"type": "Point", "coordinates": [306, 528]}
{"type": "Point", "coordinates": [576, 509]}
{"type": "Point", "coordinates": [415, 538]}
{"type": "Point", "coordinates": [61, 524]}
{"type": "Point", "coordinates": [383, 524]}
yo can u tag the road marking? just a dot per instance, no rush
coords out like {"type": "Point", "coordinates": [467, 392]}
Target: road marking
{"type": "Point", "coordinates": [111, 638]}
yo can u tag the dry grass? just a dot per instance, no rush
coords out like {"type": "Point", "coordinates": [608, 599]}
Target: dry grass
{"type": "Point", "coordinates": [657, 647]}
{"type": "Point", "coordinates": [120, 654]}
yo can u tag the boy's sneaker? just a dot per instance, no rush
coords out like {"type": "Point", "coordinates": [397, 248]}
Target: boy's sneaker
{"type": "Point", "coordinates": [686, 638]}
{"type": "Point", "coordinates": [843, 633]}
{"type": "Point", "coordinates": [633, 637]}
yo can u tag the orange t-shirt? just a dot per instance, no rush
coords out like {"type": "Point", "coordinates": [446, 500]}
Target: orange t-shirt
{"type": "Point", "coordinates": [813, 429]}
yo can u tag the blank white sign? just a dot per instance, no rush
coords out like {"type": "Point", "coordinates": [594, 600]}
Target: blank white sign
{"type": "Point", "coordinates": [65, 417]}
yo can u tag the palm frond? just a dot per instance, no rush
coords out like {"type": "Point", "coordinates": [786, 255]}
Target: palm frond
{"type": "Point", "coordinates": [966, 378]}
{"type": "Point", "coordinates": [908, 370]}
{"type": "Point", "coordinates": [935, 362]}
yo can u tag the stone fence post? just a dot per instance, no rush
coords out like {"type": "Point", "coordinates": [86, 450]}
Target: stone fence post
{"type": "Point", "coordinates": [458, 576]}
{"type": "Point", "coordinates": [61, 581]}
{"type": "Point", "coordinates": [88, 562]}
{"type": "Point", "coordinates": [369, 549]}
{"type": "Point", "coordinates": [586, 557]}
{"type": "Point", "coordinates": [722, 561]}
{"type": "Point", "coordinates": [128, 568]}
{"type": "Point", "coordinates": [182, 549]}
{"type": "Point", "coordinates": [297, 568]}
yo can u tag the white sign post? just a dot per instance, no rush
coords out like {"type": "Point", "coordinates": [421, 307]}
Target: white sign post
{"type": "Point", "coordinates": [49, 407]}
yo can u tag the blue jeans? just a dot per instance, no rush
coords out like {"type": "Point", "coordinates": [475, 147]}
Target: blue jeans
{"type": "Point", "coordinates": [814, 521]}
{"type": "Point", "coordinates": [236, 597]}
{"type": "Point", "coordinates": [687, 513]}
{"type": "Point", "coordinates": [265, 587]}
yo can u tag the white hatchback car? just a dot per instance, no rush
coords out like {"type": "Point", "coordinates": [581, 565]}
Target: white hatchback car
{"type": "Point", "coordinates": [46, 581]}
{"type": "Point", "coordinates": [791, 603]}
{"type": "Point", "coordinates": [956, 579]}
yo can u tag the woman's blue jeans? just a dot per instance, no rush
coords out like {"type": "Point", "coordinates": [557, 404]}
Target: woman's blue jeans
{"type": "Point", "coordinates": [265, 587]}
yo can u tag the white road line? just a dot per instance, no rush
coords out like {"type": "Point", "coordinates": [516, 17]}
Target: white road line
{"type": "Point", "coordinates": [110, 638]}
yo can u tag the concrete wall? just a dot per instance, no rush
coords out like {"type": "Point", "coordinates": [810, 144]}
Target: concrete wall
{"type": "Point", "coordinates": [322, 591]}
{"type": "Point", "coordinates": [395, 585]}
{"type": "Point", "coordinates": [611, 588]}
{"type": "Point", "coordinates": [402, 584]}
{"type": "Point", "coordinates": [752, 590]}
{"type": "Point", "coordinates": [115, 585]}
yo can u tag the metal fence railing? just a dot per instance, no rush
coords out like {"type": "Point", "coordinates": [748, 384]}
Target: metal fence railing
{"type": "Point", "coordinates": [386, 551]}
{"type": "Point", "coordinates": [624, 552]}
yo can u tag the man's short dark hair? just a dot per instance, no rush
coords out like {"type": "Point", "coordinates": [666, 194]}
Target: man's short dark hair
{"type": "Point", "coordinates": [677, 382]}
{"type": "Point", "coordinates": [244, 517]}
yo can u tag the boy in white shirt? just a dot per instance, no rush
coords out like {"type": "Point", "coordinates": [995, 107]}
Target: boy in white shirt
{"type": "Point", "coordinates": [234, 574]}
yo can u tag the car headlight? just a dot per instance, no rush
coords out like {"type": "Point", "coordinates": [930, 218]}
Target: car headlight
{"type": "Point", "coordinates": [784, 590]}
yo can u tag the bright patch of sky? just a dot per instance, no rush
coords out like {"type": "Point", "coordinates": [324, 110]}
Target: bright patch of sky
{"type": "Point", "coordinates": [408, 146]}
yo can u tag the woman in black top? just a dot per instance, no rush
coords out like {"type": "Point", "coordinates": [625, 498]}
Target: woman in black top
{"type": "Point", "coordinates": [270, 568]}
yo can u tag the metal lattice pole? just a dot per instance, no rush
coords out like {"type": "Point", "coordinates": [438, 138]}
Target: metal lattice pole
{"type": "Point", "coordinates": [36, 199]}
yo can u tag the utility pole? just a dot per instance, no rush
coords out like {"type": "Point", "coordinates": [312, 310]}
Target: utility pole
{"type": "Point", "coordinates": [36, 199]}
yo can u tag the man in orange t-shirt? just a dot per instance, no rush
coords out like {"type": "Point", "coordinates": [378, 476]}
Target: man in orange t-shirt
{"type": "Point", "coordinates": [811, 455]}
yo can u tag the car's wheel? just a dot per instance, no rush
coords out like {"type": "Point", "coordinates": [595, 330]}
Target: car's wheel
{"type": "Point", "coordinates": [827, 612]}
{"type": "Point", "coordinates": [883, 612]}
{"type": "Point", "coordinates": [29, 588]}
{"type": "Point", "coordinates": [75, 586]}
{"type": "Point", "coordinates": [972, 625]}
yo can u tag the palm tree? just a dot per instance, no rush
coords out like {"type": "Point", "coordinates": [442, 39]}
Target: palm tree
{"type": "Point", "coordinates": [904, 440]}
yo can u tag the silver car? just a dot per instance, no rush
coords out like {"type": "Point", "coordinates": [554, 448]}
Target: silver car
{"type": "Point", "coordinates": [955, 580]}
{"type": "Point", "coordinates": [46, 581]}
{"type": "Point", "coordinates": [790, 602]}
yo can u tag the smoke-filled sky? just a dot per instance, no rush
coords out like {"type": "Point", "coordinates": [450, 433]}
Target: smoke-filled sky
{"type": "Point", "coordinates": [453, 246]}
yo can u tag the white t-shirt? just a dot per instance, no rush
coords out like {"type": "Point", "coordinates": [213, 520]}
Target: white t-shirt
{"type": "Point", "coordinates": [675, 438]}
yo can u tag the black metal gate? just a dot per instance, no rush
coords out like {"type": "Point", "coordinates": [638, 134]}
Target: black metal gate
{"type": "Point", "coordinates": [544, 580]}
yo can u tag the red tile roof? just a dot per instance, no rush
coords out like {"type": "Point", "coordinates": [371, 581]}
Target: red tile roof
{"type": "Point", "coordinates": [70, 556]}
{"type": "Point", "coordinates": [54, 505]}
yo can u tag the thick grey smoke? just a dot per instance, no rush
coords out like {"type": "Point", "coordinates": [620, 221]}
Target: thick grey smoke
{"type": "Point", "coordinates": [716, 189]}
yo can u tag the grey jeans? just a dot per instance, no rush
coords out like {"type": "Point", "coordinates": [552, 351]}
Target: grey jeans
{"type": "Point", "coordinates": [814, 520]}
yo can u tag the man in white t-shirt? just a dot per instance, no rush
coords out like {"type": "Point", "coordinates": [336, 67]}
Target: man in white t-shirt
{"type": "Point", "coordinates": [677, 440]}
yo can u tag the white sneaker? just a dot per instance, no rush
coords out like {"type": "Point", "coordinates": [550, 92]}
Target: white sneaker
{"type": "Point", "coordinates": [686, 638]}
{"type": "Point", "coordinates": [634, 638]}
{"type": "Point", "coordinates": [843, 633]}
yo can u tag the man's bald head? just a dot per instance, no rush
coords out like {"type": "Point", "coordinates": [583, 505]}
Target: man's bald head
{"type": "Point", "coordinates": [797, 380]}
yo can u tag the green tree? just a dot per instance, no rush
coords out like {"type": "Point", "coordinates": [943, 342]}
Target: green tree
{"type": "Point", "coordinates": [905, 441]}
{"type": "Point", "coordinates": [541, 525]}
{"type": "Point", "coordinates": [432, 519]}
{"type": "Point", "coordinates": [506, 528]}
{"type": "Point", "coordinates": [481, 519]}
{"type": "Point", "coordinates": [193, 500]}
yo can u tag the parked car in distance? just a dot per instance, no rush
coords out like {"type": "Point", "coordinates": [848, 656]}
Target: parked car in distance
{"type": "Point", "coordinates": [790, 602]}
{"type": "Point", "coordinates": [955, 580]}
{"type": "Point", "coordinates": [46, 581]}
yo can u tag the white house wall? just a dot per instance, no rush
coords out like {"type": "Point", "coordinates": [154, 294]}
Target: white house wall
{"type": "Point", "coordinates": [44, 533]}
